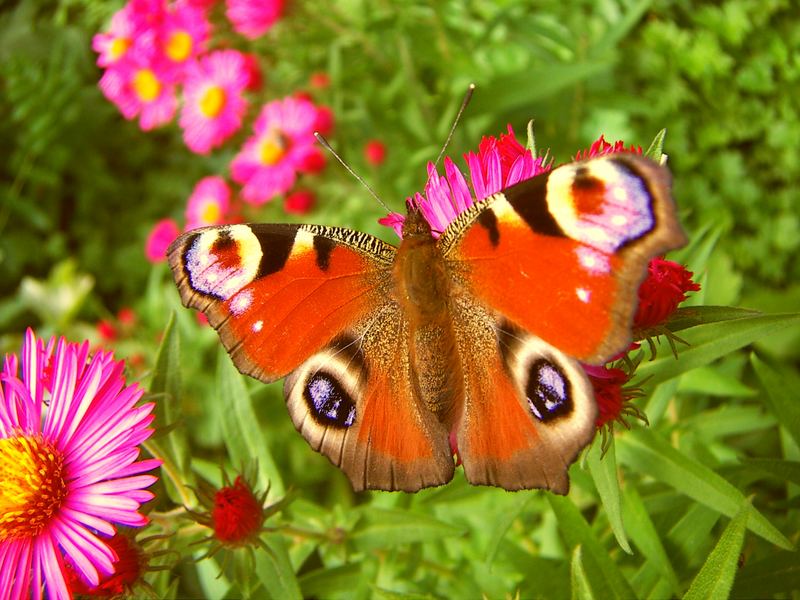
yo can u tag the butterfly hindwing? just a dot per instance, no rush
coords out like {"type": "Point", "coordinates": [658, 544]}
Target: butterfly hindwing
{"type": "Point", "coordinates": [562, 255]}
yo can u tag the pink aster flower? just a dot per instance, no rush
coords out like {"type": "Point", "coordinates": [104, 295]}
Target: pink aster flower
{"type": "Point", "coordinates": [183, 34]}
{"type": "Point", "coordinates": [213, 102]}
{"type": "Point", "coordinates": [113, 44]}
{"type": "Point", "coordinates": [283, 145]}
{"type": "Point", "coordinates": [69, 436]}
{"type": "Point", "coordinates": [499, 163]}
{"type": "Point", "coordinates": [141, 87]}
{"type": "Point", "coordinates": [252, 18]}
{"type": "Point", "coordinates": [209, 203]}
{"type": "Point", "coordinates": [161, 236]}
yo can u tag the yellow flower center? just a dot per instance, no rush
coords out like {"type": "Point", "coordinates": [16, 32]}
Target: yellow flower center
{"type": "Point", "coordinates": [32, 486]}
{"type": "Point", "coordinates": [210, 212]}
{"type": "Point", "coordinates": [212, 102]}
{"type": "Point", "coordinates": [179, 46]}
{"type": "Point", "coordinates": [273, 148]}
{"type": "Point", "coordinates": [146, 85]}
{"type": "Point", "coordinates": [119, 47]}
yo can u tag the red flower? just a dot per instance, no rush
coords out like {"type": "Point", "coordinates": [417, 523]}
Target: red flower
{"type": "Point", "coordinates": [324, 122]}
{"type": "Point", "coordinates": [608, 392]}
{"type": "Point", "coordinates": [601, 147]}
{"type": "Point", "coordinates": [237, 515]}
{"type": "Point", "coordinates": [661, 292]}
{"type": "Point", "coordinates": [375, 152]}
{"type": "Point", "coordinates": [130, 564]}
{"type": "Point", "coordinates": [319, 80]}
{"type": "Point", "coordinates": [299, 202]}
{"type": "Point", "coordinates": [106, 330]}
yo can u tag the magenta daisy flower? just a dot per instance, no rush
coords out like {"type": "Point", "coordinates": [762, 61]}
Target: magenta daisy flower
{"type": "Point", "coordinates": [209, 203]}
{"type": "Point", "coordinates": [252, 18]}
{"type": "Point", "coordinates": [499, 163]}
{"type": "Point", "coordinates": [184, 34]}
{"type": "Point", "coordinates": [159, 239]}
{"type": "Point", "coordinates": [113, 44]}
{"type": "Point", "coordinates": [69, 436]}
{"type": "Point", "coordinates": [283, 145]}
{"type": "Point", "coordinates": [140, 87]}
{"type": "Point", "coordinates": [600, 147]}
{"type": "Point", "coordinates": [213, 99]}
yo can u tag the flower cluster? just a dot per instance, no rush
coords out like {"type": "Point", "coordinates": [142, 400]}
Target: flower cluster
{"type": "Point", "coordinates": [157, 62]}
{"type": "Point", "coordinates": [501, 162]}
{"type": "Point", "coordinates": [70, 431]}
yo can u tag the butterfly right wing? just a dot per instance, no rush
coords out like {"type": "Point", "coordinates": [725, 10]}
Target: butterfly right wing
{"type": "Point", "coordinates": [316, 303]}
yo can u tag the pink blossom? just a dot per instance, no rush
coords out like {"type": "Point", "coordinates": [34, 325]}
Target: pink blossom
{"type": "Point", "coordinates": [375, 152]}
{"type": "Point", "coordinates": [70, 432]}
{"type": "Point", "coordinates": [209, 203]}
{"type": "Point", "coordinates": [213, 102]}
{"type": "Point", "coordinates": [283, 145]}
{"type": "Point", "coordinates": [252, 18]}
{"type": "Point", "coordinates": [160, 238]}
{"type": "Point", "coordinates": [183, 36]}
{"type": "Point", "coordinates": [601, 147]}
{"type": "Point", "coordinates": [140, 87]}
{"type": "Point", "coordinates": [115, 43]}
{"type": "Point", "coordinates": [299, 202]}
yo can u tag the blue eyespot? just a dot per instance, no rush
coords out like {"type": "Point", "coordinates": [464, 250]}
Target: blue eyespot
{"type": "Point", "coordinates": [328, 402]}
{"type": "Point", "coordinates": [548, 391]}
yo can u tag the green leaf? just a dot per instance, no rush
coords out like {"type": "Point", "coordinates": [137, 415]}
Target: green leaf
{"type": "Point", "coordinates": [326, 582]}
{"type": "Point", "coordinates": [709, 342]}
{"type": "Point", "coordinates": [787, 470]}
{"type": "Point", "coordinates": [692, 316]}
{"type": "Point", "coordinates": [581, 590]}
{"type": "Point", "coordinates": [781, 397]}
{"type": "Point", "coordinates": [775, 575]}
{"type": "Point", "coordinates": [604, 473]}
{"type": "Point", "coordinates": [243, 436]}
{"type": "Point", "coordinates": [648, 454]}
{"type": "Point", "coordinates": [165, 385]}
{"type": "Point", "coordinates": [502, 525]}
{"type": "Point", "coordinates": [386, 528]}
{"type": "Point", "coordinates": [646, 538]}
{"type": "Point", "coordinates": [656, 149]}
{"type": "Point", "coordinates": [618, 31]}
{"type": "Point", "coordinates": [715, 578]}
{"type": "Point", "coordinates": [274, 569]}
{"type": "Point", "coordinates": [602, 573]}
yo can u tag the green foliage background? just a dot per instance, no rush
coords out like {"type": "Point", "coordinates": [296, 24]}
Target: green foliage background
{"type": "Point", "coordinates": [704, 502]}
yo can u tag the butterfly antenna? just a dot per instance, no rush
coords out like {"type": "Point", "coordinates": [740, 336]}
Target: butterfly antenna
{"type": "Point", "coordinates": [464, 103]}
{"type": "Point", "coordinates": [324, 143]}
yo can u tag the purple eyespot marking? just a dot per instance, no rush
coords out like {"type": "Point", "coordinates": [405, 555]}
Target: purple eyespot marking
{"type": "Point", "coordinates": [548, 391]}
{"type": "Point", "coordinates": [328, 402]}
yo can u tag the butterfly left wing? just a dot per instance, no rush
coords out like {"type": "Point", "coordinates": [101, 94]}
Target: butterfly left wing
{"type": "Point", "coordinates": [316, 303]}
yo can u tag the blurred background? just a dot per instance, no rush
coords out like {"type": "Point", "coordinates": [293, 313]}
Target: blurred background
{"type": "Point", "coordinates": [81, 187]}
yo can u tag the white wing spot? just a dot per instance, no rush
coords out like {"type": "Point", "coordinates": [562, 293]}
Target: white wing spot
{"type": "Point", "coordinates": [241, 302]}
{"type": "Point", "coordinates": [258, 326]}
{"type": "Point", "coordinates": [583, 294]}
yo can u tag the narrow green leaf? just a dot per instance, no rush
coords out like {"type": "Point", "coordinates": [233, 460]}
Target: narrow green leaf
{"type": "Point", "coordinates": [581, 590]}
{"type": "Point", "coordinates": [692, 316]}
{"type": "Point", "coordinates": [604, 472]}
{"type": "Point", "coordinates": [709, 342]}
{"type": "Point", "coordinates": [502, 525]}
{"type": "Point", "coordinates": [787, 470]}
{"type": "Point", "coordinates": [646, 538]}
{"type": "Point", "coordinates": [243, 436]}
{"type": "Point", "coordinates": [322, 583]}
{"type": "Point", "coordinates": [602, 572]}
{"type": "Point", "coordinates": [620, 28]}
{"type": "Point", "coordinates": [715, 578]}
{"type": "Point", "coordinates": [517, 91]}
{"type": "Point", "coordinates": [648, 454]}
{"type": "Point", "coordinates": [274, 569]}
{"type": "Point", "coordinates": [656, 149]}
{"type": "Point", "coordinates": [775, 575]}
{"type": "Point", "coordinates": [209, 574]}
{"type": "Point", "coordinates": [781, 397]}
{"type": "Point", "coordinates": [165, 385]}
{"type": "Point", "coordinates": [386, 528]}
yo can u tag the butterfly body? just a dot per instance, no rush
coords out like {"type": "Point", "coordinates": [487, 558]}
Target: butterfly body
{"type": "Point", "coordinates": [475, 336]}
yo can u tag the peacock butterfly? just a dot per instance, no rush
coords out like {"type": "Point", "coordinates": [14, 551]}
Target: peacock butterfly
{"type": "Point", "coordinates": [389, 353]}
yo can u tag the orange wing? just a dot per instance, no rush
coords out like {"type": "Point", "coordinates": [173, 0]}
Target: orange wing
{"type": "Point", "coordinates": [562, 255]}
{"type": "Point", "coordinates": [316, 303]}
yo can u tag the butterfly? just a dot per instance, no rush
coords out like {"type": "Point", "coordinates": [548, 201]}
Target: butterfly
{"type": "Point", "coordinates": [394, 356]}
